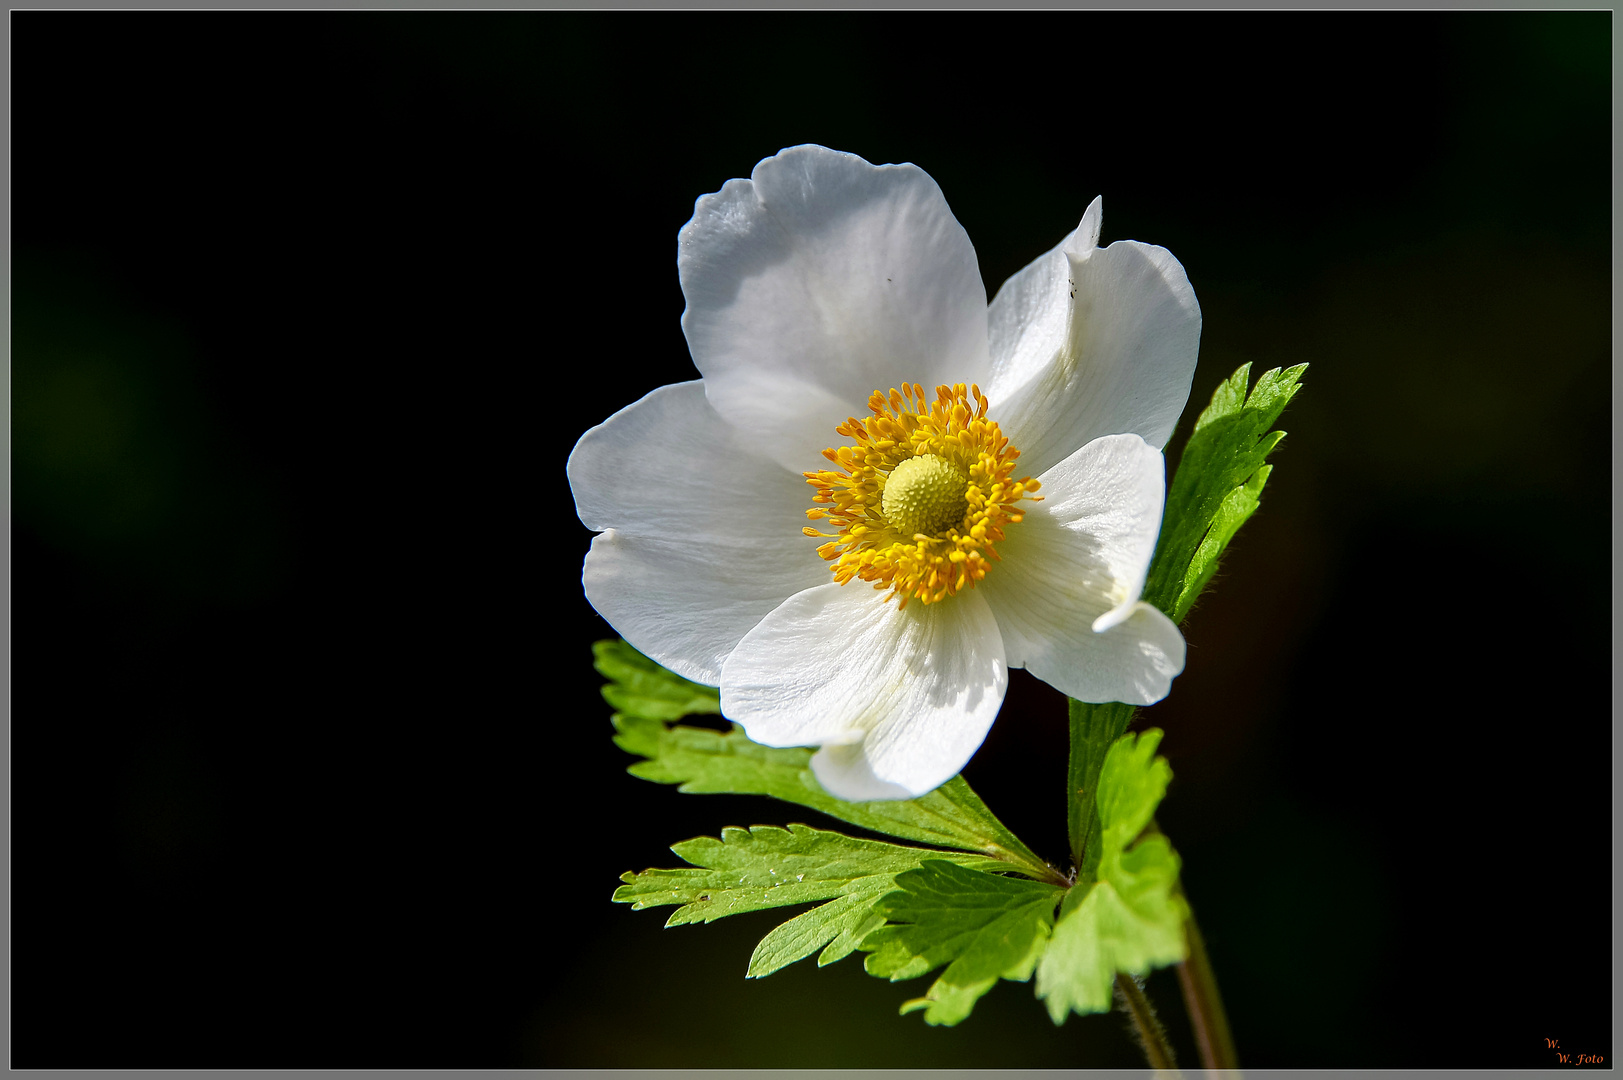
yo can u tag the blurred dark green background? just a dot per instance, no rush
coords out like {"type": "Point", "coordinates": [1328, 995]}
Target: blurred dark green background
{"type": "Point", "coordinates": [309, 766]}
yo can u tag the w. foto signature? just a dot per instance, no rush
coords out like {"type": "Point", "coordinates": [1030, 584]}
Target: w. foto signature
{"type": "Point", "coordinates": [1566, 1059]}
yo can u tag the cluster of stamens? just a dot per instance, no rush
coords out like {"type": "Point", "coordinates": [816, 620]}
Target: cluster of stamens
{"type": "Point", "coordinates": [922, 496]}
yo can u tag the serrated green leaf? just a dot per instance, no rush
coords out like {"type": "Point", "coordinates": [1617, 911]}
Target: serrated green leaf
{"type": "Point", "coordinates": [1131, 918]}
{"type": "Point", "coordinates": [1216, 487]}
{"type": "Point", "coordinates": [1228, 398]}
{"type": "Point", "coordinates": [981, 926]}
{"type": "Point", "coordinates": [1094, 730]}
{"type": "Point", "coordinates": [762, 867]}
{"type": "Point", "coordinates": [766, 867]}
{"type": "Point", "coordinates": [1239, 505]}
{"type": "Point", "coordinates": [839, 924]}
{"type": "Point", "coordinates": [705, 761]}
{"type": "Point", "coordinates": [640, 688]}
{"type": "Point", "coordinates": [1131, 785]}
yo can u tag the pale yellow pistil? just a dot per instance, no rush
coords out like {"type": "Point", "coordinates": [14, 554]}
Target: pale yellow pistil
{"type": "Point", "coordinates": [923, 494]}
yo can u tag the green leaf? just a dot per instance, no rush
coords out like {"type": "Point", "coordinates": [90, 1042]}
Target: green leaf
{"type": "Point", "coordinates": [839, 924]}
{"type": "Point", "coordinates": [766, 867]}
{"type": "Point", "coordinates": [1239, 505]}
{"type": "Point", "coordinates": [641, 688]}
{"type": "Point", "coordinates": [1131, 785]}
{"type": "Point", "coordinates": [1094, 730]}
{"type": "Point", "coordinates": [706, 761]}
{"type": "Point", "coordinates": [1131, 919]}
{"type": "Point", "coordinates": [1217, 485]}
{"type": "Point", "coordinates": [981, 926]}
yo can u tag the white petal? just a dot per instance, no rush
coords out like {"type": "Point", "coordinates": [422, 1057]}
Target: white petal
{"type": "Point", "coordinates": [1066, 593]}
{"type": "Point", "coordinates": [898, 699]}
{"type": "Point", "coordinates": [704, 534]}
{"type": "Point", "coordinates": [819, 280]}
{"type": "Point", "coordinates": [1090, 341]}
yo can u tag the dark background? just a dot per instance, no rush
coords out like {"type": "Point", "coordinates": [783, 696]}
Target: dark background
{"type": "Point", "coordinates": [308, 763]}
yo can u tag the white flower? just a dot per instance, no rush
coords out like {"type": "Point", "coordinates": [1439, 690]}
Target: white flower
{"type": "Point", "coordinates": [824, 289]}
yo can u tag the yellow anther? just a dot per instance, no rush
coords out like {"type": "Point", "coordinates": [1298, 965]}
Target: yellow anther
{"type": "Point", "coordinates": [923, 494]}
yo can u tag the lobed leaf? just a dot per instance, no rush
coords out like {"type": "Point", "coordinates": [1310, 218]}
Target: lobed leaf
{"type": "Point", "coordinates": [639, 687]}
{"type": "Point", "coordinates": [1131, 918]}
{"type": "Point", "coordinates": [1233, 512]}
{"type": "Point", "coordinates": [766, 867]}
{"type": "Point", "coordinates": [1094, 730]}
{"type": "Point", "coordinates": [839, 925]}
{"type": "Point", "coordinates": [981, 926]}
{"type": "Point", "coordinates": [1218, 483]}
{"type": "Point", "coordinates": [706, 761]}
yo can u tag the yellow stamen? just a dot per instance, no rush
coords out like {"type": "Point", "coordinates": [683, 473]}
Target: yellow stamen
{"type": "Point", "coordinates": [922, 495]}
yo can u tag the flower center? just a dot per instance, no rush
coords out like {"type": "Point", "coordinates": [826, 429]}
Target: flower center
{"type": "Point", "coordinates": [923, 494]}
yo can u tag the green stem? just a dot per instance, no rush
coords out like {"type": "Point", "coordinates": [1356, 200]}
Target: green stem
{"type": "Point", "coordinates": [1152, 1037]}
{"type": "Point", "coordinates": [1093, 729]}
{"type": "Point", "coordinates": [1205, 1004]}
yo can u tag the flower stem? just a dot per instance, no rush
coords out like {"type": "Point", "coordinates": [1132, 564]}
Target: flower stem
{"type": "Point", "coordinates": [1152, 1037]}
{"type": "Point", "coordinates": [1205, 1004]}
